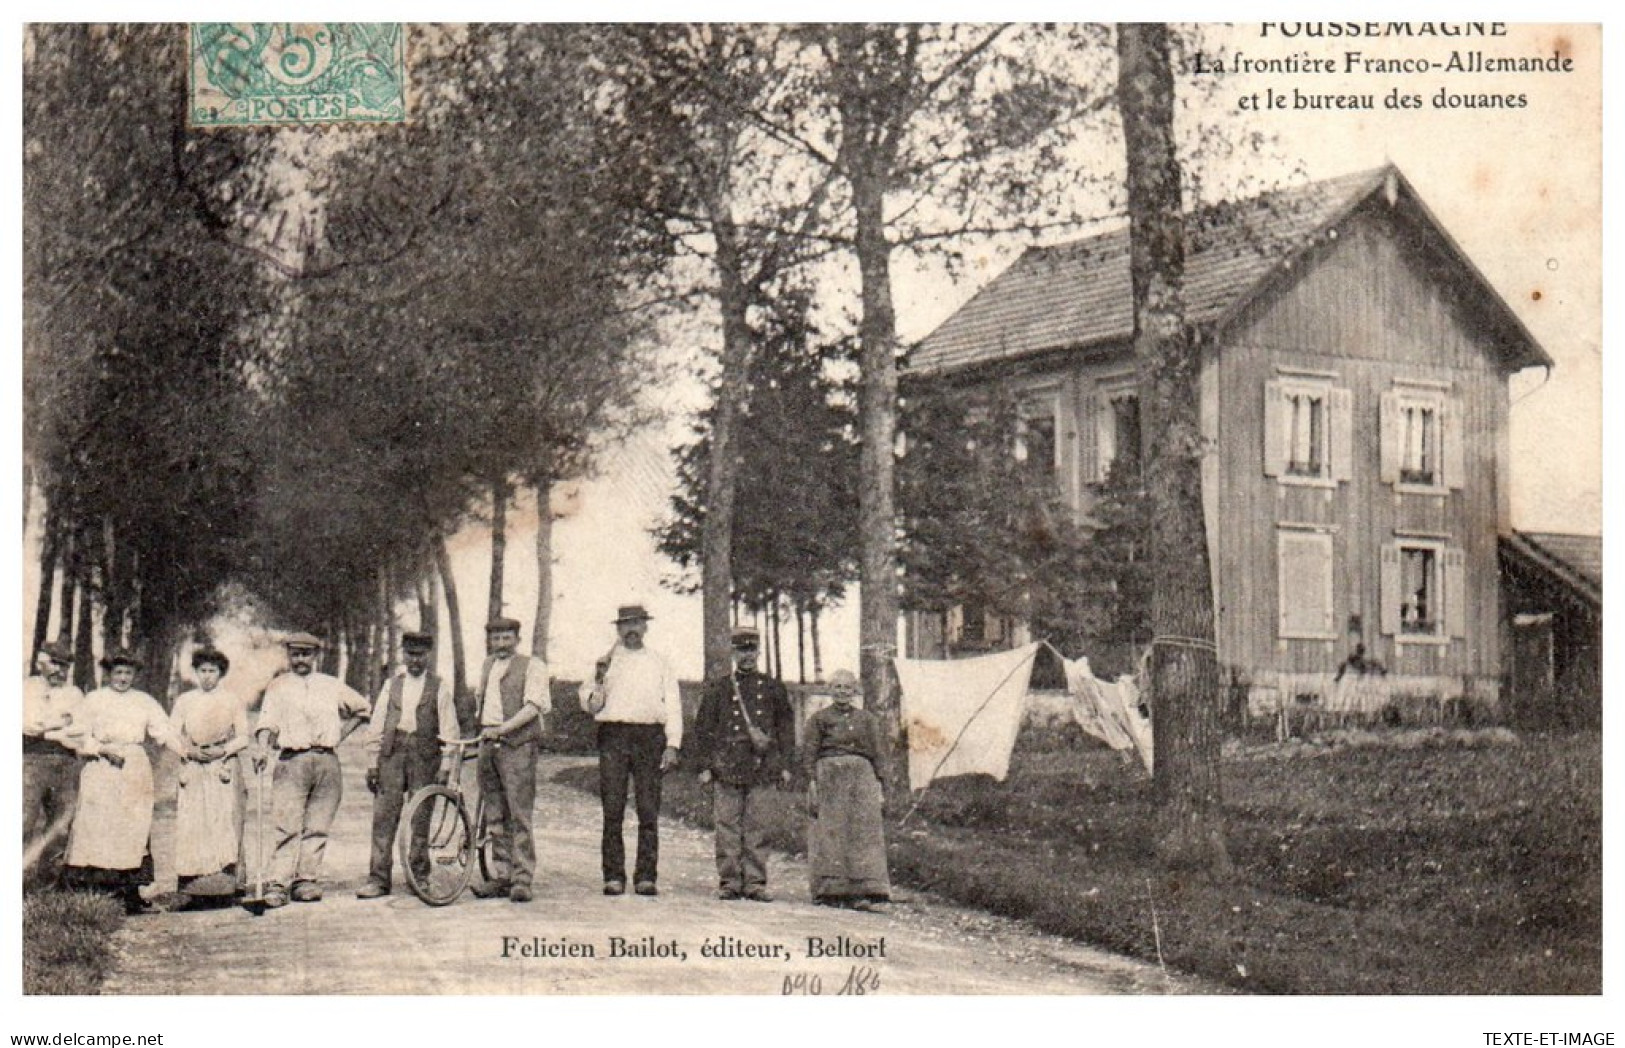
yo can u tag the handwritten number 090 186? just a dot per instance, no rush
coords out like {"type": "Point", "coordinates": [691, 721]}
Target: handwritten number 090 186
{"type": "Point", "coordinates": [860, 979]}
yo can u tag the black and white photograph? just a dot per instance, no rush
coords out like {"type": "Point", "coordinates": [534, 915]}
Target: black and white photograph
{"type": "Point", "coordinates": [812, 509]}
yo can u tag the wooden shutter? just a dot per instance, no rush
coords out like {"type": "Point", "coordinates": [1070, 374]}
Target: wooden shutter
{"type": "Point", "coordinates": [1105, 436]}
{"type": "Point", "coordinates": [1276, 444]}
{"type": "Point", "coordinates": [1455, 592]}
{"type": "Point", "coordinates": [1305, 584]}
{"type": "Point", "coordinates": [1342, 421]}
{"type": "Point", "coordinates": [1088, 440]}
{"type": "Point", "coordinates": [1390, 588]}
{"type": "Point", "coordinates": [956, 624]}
{"type": "Point", "coordinates": [1453, 443]}
{"type": "Point", "coordinates": [1392, 426]}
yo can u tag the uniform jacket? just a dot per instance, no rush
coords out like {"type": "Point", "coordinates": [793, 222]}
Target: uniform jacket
{"type": "Point", "coordinates": [720, 740]}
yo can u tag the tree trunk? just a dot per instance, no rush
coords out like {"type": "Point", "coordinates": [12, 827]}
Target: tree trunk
{"type": "Point", "coordinates": [542, 627]}
{"type": "Point", "coordinates": [801, 642]}
{"type": "Point", "coordinates": [84, 641]}
{"type": "Point", "coordinates": [817, 647]}
{"type": "Point", "coordinates": [115, 588]}
{"type": "Point", "coordinates": [392, 629]}
{"type": "Point", "coordinates": [499, 545]}
{"type": "Point", "coordinates": [716, 526]}
{"type": "Point", "coordinates": [777, 650]}
{"type": "Point", "coordinates": [332, 641]}
{"type": "Point", "coordinates": [1185, 696]}
{"type": "Point", "coordinates": [158, 650]}
{"type": "Point", "coordinates": [454, 616]}
{"type": "Point", "coordinates": [70, 583]}
{"type": "Point", "coordinates": [47, 586]}
{"type": "Point", "coordinates": [428, 614]}
{"type": "Point", "coordinates": [877, 515]}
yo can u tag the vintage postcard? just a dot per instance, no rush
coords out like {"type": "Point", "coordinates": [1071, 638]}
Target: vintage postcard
{"type": "Point", "coordinates": [813, 510]}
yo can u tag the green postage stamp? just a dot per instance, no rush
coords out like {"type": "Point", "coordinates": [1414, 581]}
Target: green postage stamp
{"type": "Point", "coordinates": [296, 73]}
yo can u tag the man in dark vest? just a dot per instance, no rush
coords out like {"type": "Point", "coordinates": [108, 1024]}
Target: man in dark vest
{"type": "Point", "coordinates": [744, 741]}
{"type": "Point", "coordinates": [512, 697]}
{"type": "Point", "coordinates": [415, 711]}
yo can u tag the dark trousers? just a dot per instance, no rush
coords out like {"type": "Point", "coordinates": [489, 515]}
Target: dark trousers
{"type": "Point", "coordinates": [411, 764]}
{"type": "Point", "coordinates": [508, 786]}
{"type": "Point", "coordinates": [50, 789]}
{"type": "Point", "coordinates": [737, 811]}
{"type": "Point", "coordinates": [630, 751]}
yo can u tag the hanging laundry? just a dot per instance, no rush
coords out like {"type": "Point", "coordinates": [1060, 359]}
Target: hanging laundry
{"type": "Point", "coordinates": [1110, 712]}
{"type": "Point", "coordinates": [962, 715]}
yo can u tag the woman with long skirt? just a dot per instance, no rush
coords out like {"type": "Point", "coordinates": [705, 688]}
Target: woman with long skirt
{"type": "Point", "coordinates": [109, 847]}
{"type": "Point", "coordinates": [846, 842]}
{"type": "Point", "coordinates": [212, 726]}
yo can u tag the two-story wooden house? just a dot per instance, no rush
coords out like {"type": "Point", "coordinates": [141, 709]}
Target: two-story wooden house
{"type": "Point", "coordinates": [1354, 397]}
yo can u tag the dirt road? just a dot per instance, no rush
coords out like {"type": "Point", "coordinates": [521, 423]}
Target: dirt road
{"type": "Point", "coordinates": [573, 940]}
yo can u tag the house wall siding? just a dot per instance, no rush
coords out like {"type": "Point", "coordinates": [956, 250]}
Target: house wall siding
{"type": "Point", "coordinates": [1370, 309]}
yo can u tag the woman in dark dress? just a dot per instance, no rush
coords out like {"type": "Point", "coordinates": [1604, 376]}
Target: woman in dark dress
{"type": "Point", "coordinates": [846, 841]}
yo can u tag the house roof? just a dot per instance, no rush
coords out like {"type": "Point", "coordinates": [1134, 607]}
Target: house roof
{"type": "Point", "coordinates": [1077, 295]}
{"type": "Point", "coordinates": [1575, 561]}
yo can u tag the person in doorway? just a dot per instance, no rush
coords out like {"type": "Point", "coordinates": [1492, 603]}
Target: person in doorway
{"type": "Point", "coordinates": [743, 744]}
{"type": "Point", "coordinates": [110, 844]}
{"type": "Point", "coordinates": [303, 719]}
{"type": "Point", "coordinates": [846, 841]}
{"type": "Point", "coordinates": [413, 714]}
{"type": "Point", "coordinates": [513, 696]}
{"type": "Point", "coordinates": [634, 698]}
{"type": "Point", "coordinates": [212, 726]}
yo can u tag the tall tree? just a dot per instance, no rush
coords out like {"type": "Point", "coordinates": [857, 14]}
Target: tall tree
{"type": "Point", "coordinates": [1185, 696]}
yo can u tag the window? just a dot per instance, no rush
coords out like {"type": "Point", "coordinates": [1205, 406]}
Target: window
{"type": "Point", "coordinates": [1424, 593]}
{"type": "Point", "coordinates": [1420, 451]}
{"type": "Point", "coordinates": [973, 627]}
{"type": "Point", "coordinates": [1304, 577]}
{"type": "Point", "coordinates": [1116, 428]}
{"type": "Point", "coordinates": [1419, 586]}
{"type": "Point", "coordinates": [1308, 431]}
{"type": "Point", "coordinates": [1125, 425]}
{"type": "Point", "coordinates": [1035, 439]}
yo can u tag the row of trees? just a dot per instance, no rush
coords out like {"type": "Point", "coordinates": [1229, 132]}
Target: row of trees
{"type": "Point", "coordinates": [465, 303]}
{"type": "Point", "coordinates": [298, 363]}
{"type": "Point", "coordinates": [936, 134]}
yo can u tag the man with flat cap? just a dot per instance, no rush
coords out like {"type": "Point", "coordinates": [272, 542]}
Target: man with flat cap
{"type": "Point", "coordinates": [513, 695]}
{"type": "Point", "coordinates": [413, 713]}
{"type": "Point", "coordinates": [743, 744]}
{"type": "Point", "coordinates": [634, 698]}
{"type": "Point", "coordinates": [50, 764]}
{"type": "Point", "coordinates": [303, 718]}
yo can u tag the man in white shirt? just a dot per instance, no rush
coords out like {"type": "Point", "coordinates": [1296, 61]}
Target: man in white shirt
{"type": "Point", "coordinates": [635, 700]}
{"type": "Point", "coordinates": [303, 718]}
{"type": "Point", "coordinates": [413, 713]}
{"type": "Point", "coordinates": [50, 766]}
{"type": "Point", "coordinates": [512, 697]}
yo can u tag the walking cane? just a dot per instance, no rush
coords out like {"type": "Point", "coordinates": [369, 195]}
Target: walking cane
{"type": "Point", "coordinates": [255, 904]}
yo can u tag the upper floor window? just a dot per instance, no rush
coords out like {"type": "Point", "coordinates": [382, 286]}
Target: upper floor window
{"type": "Point", "coordinates": [1422, 446]}
{"type": "Point", "coordinates": [1115, 430]}
{"type": "Point", "coordinates": [1308, 430]}
{"type": "Point", "coordinates": [1037, 448]}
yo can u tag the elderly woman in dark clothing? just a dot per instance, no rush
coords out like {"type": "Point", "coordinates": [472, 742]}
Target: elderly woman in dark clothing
{"type": "Point", "coordinates": [846, 842]}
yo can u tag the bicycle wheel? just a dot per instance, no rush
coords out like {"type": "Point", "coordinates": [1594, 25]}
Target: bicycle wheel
{"type": "Point", "coordinates": [435, 843]}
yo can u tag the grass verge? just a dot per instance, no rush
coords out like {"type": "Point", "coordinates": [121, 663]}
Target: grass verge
{"type": "Point", "coordinates": [1371, 870]}
{"type": "Point", "coordinates": [66, 936]}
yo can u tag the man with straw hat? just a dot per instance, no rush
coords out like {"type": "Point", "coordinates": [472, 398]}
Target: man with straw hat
{"type": "Point", "coordinates": [634, 698]}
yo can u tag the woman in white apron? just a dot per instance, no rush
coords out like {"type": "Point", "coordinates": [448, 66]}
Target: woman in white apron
{"type": "Point", "coordinates": [212, 726]}
{"type": "Point", "coordinates": [108, 847]}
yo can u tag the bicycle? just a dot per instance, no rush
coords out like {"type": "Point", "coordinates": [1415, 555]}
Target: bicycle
{"type": "Point", "coordinates": [439, 842]}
